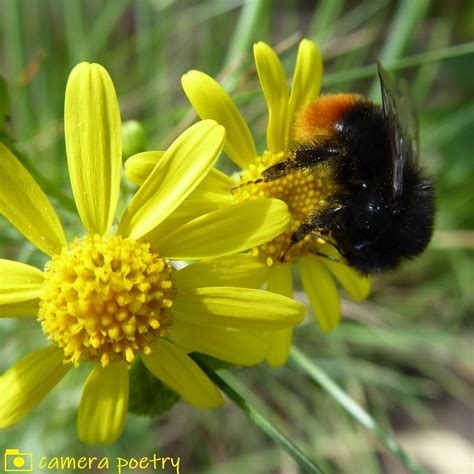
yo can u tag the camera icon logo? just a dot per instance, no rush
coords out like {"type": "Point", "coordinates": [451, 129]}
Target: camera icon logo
{"type": "Point", "coordinates": [17, 462]}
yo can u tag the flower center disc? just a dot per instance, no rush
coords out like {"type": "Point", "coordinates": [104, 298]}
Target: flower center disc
{"type": "Point", "coordinates": [304, 191]}
{"type": "Point", "coordinates": [106, 298]}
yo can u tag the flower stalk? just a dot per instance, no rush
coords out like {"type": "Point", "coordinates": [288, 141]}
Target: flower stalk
{"type": "Point", "coordinates": [254, 415]}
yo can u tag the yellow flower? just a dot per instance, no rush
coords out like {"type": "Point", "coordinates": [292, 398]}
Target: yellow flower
{"type": "Point", "coordinates": [302, 191]}
{"type": "Point", "coordinates": [108, 298]}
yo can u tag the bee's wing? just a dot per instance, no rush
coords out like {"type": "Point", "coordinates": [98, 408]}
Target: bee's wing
{"type": "Point", "coordinates": [402, 118]}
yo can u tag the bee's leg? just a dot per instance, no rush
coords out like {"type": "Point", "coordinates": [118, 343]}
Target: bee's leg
{"type": "Point", "coordinates": [325, 220]}
{"type": "Point", "coordinates": [308, 229]}
{"type": "Point", "coordinates": [301, 232]}
{"type": "Point", "coordinates": [304, 158]}
{"type": "Point", "coordinates": [329, 257]}
{"type": "Point", "coordinates": [278, 170]}
{"type": "Point", "coordinates": [322, 237]}
{"type": "Point", "coordinates": [322, 220]}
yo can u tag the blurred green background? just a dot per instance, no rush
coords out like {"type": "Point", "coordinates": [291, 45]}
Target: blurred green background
{"type": "Point", "coordinates": [406, 354]}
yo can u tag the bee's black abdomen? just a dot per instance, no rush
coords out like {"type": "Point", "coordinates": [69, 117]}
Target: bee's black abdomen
{"type": "Point", "coordinates": [378, 229]}
{"type": "Point", "coordinates": [405, 234]}
{"type": "Point", "coordinates": [414, 225]}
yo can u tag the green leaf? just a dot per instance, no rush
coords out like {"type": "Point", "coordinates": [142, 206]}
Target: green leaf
{"type": "Point", "coordinates": [148, 395]}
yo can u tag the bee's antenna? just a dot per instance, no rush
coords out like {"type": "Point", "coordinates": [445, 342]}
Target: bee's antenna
{"type": "Point", "coordinates": [329, 257]}
{"type": "Point", "coordinates": [237, 186]}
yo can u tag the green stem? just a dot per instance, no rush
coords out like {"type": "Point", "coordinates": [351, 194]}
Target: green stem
{"type": "Point", "coordinates": [354, 409]}
{"type": "Point", "coordinates": [254, 415]}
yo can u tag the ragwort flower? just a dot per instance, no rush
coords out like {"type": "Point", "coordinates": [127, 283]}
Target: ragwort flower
{"type": "Point", "coordinates": [110, 297]}
{"type": "Point", "coordinates": [303, 191]}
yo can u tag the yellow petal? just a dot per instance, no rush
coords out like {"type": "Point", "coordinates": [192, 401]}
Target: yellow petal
{"type": "Point", "coordinates": [244, 271]}
{"type": "Point", "coordinates": [19, 282]}
{"type": "Point", "coordinates": [228, 230]}
{"type": "Point", "coordinates": [279, 346]}
{"type": "Point", "coordinates": [187, 211]}
{"type": "Point", "coordinates": [179, 171]}
{"type": "Point", "coordinates": [210, 101]}
{"type": "Point", "coordinates": [21, 309]}
{"type": "Point", "coordinates": [25, 384]}
{"type": "Point", "coordinates": [306, 82]}
{"type": "Point", "coordinates": [211, 194]}
{"type": "Point", "coordinates": [273, 81]}
{"type": "Point", "coordinates": [24, 204]}
{"type": "Point", "coordinates": [104, 405]}
{"type": "Point", "coordinates": [216, 186]}
{"type": "Point", "coordinates": [237, 347]}
{"type": "Point", "coordinates": [357, 286]}
{"type": "Point", "coordinates": [280, 281]}
{"type": "Point", "coordinates": [138, 167]}
{"type": "Point", "coordinates": [176, 369]}
{"type": "Point", "coordinates": [239, 308]}
{"type": "Point", "coordinates": [321, 290]}
{"type": "Point", "coordinates": [93, 134]}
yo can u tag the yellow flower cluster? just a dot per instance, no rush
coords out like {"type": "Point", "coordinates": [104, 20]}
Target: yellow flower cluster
{"type": "Point", "coordinates": [113, 295]}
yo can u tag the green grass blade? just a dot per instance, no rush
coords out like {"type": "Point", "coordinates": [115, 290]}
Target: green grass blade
{"type": "Point", "coordinates": [414, 60]}
{"type": "Point", "coordinates": [243, 35]}
{"type": "Point", "coordinates": [438, 135]}
{"type": "Point", "coordinates": [254, 415]}
{"type": "Point", "coordinates": [324, 20]}
{"type": "Point", "coordinates": [105, 24]}
{"type": "Point", "coordinates": [13, 39]}
{"type": "Point", "coordinates": [353, 409]}
{"type": "Point", "coordinates": [439, 38]}
{"type": "Point", "coordinates": [76, 40]}
{"type": "Point", "coordinates": [408, 16]}
{"type": "Point", "coordinates": [358, 17]}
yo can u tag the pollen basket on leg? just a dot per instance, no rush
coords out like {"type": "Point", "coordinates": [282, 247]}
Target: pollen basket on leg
{"type": "Point", "coordinates": [105, 299]}
{"type": "Point", "coordinates": [304, 191]}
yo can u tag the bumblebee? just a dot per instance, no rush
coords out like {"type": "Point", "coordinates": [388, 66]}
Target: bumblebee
{"type": "Point", "coordinates": [382, 209]}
